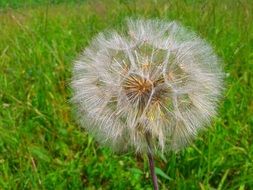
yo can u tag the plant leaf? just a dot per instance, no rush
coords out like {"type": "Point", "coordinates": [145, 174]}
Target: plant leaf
{"type": "Point", "coordinates": [159, 172]}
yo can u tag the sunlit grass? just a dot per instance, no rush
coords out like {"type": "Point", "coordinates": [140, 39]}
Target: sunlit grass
{"type": "Point", "coordinates": [41, 147]}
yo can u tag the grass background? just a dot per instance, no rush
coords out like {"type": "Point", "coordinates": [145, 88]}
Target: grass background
{"type": "Point", "coordinates": [41, 146]}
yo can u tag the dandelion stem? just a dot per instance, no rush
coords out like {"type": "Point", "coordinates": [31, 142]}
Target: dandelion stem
{"type": "Point", "coordinates": [151, 164]}
{"type": "Point", "coordinates": [152, 170]}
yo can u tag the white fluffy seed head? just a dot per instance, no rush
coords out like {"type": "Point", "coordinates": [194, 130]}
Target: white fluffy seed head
{"type": "Point", "coordinates": [158, 79]}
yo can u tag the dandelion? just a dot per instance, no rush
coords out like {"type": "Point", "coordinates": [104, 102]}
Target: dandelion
{"type": "Point", "coordinates": [148, 89]}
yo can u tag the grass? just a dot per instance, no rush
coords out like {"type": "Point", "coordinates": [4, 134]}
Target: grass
{"type": "Point", "coordinates": [41, 146]}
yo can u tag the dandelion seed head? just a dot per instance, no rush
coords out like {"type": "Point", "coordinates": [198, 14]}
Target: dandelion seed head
{"type": "Point", "coordinates": [158, 79]}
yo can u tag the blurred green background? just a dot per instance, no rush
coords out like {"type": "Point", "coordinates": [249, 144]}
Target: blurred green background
{"type": "Point", "coordinates": [41, 145]}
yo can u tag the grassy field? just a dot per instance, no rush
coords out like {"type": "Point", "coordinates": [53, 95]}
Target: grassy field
{"type": "Point", "coordinates": [41, 145]}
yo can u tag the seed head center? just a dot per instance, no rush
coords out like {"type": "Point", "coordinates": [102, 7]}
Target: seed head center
{"type": "Point", "coordinates": [144, 86]}
{"type": "Point", "coordinates": [140, 89]}
{"type": "Point", "coordinates": [137, 88]}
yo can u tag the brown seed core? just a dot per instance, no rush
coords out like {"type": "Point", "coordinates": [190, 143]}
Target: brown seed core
{"type": "Point", "coordinates": [137, 87]}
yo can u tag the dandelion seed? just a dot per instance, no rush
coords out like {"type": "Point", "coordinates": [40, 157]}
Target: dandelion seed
{"type": "Point", "coordinates": [152, 89]}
